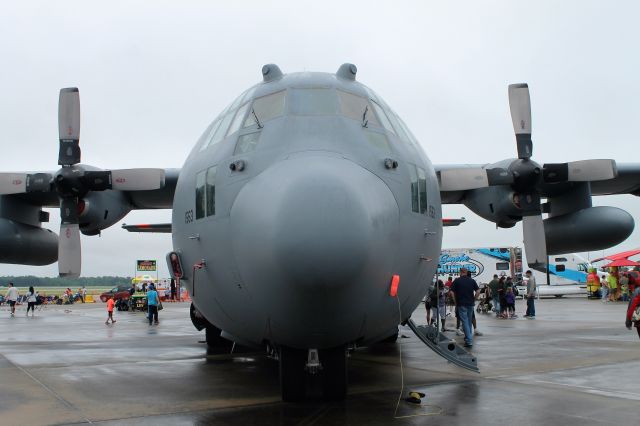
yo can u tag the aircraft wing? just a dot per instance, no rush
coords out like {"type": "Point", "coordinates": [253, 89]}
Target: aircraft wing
{"type": "Point", "coordinates": [520, 189]}
{"type": "Point", "coordinates": [161, 198]}
{"type": "Point", "coordinates": [626, 181]}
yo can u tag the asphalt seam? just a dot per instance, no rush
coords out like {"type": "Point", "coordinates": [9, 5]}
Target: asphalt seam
{"type": "Point", "coordinates": [48, 389]}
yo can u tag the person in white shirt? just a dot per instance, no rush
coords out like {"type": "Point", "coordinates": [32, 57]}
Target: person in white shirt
{"type": "Point", "coordinates": [31, 301]}
{"type": "Point", "coordinates": [12, 298]}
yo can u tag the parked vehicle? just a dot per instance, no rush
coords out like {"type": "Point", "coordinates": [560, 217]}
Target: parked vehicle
{"type": "Point", "coordinates": [119, 292]}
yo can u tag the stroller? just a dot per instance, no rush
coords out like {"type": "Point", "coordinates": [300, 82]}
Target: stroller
{"type": "Point", "coordinates": [484, 303]}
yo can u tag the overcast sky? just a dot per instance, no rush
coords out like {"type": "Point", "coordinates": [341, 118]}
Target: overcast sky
{"type": "Point", "coordinates": [152, 76]}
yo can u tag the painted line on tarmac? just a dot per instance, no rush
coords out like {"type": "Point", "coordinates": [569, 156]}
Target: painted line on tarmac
{"type": "Point", "coordinates": [48, 389]}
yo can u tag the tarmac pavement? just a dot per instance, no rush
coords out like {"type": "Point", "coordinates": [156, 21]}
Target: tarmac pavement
{"type": "Point", "coordinates": [575, 364]}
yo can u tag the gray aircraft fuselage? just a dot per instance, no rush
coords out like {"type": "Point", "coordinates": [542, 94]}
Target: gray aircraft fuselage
{"type": "Point", "coordinates": [304, 198]}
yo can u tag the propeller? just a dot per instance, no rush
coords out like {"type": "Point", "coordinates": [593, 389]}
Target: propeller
{"type": "Point", "coordinates": [526, 177]}
{"type": "Point", "coordinates": [529, 176]}
{"type": "Point", "coordinates": [73, 181]}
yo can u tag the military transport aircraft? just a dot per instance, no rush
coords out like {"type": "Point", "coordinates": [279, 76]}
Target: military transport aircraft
{"type": "Point", "coordinates": [307, 218]}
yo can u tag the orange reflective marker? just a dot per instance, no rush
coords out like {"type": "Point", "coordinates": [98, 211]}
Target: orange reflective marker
{"type": "Point", "coordinates": [395, 282]}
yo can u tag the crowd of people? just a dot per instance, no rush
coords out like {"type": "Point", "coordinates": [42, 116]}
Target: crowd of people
{"type": "Point", "coordinates": [460, 295]}
{"type": "Point", "coordinates": [12, 297]}
{"type": "Point", "coordinates": [616, 286]}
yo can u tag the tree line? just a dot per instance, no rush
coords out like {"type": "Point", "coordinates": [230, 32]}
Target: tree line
{"type": "Point", "coordinates": [26, 281]}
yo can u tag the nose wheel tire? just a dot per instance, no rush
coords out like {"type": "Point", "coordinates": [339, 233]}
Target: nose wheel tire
{"type": "Point", "coordinates": [214, 340]}
{"type": "Point", "coordinates": [334, 371]}
{"type": "Point", "coordinates": [292, 374]}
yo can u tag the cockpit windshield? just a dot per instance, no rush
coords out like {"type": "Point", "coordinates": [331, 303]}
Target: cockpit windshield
{"type": "Point", "coordinates": [313, 102]}
{"type": "Point", "coordinates": [266, 108]}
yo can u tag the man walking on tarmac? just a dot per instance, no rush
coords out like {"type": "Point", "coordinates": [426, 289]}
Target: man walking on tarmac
{"type": "Point", "coordinates": [465, 291]}
{"type": "Point", "coordinates": [12, 298]}
{"type": "Point", "coordinates": [531, 295]}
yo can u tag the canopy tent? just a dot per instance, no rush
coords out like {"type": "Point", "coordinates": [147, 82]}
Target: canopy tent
{"type": "Point", "coordinates": [144, 279]}
{"type": "Point", "coordinates": [617, 256]}
{"type": "Point", "coordinates": [622, 262]}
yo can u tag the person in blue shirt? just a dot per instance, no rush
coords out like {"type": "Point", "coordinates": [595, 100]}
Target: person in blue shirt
{"type": "Point", "coordinates": [465, 292]}
{"type": "Point", "coordinates": [153, 300]}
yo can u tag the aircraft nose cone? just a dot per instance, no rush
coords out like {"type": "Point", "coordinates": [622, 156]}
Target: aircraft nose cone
{"type": "Point", "coordinates": [311, 224]}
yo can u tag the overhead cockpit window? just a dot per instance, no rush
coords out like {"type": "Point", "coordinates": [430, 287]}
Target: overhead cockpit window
{"type": "Point", "coordinates": [313, 102]}
{"type": "Point", "coordinates": [222, 130]}
{"type": "Point", "coordinates": [247, 143]}
{"type": "Point", "coordinates": [239, 118]}
{"type": "Point", "coordinates": [265, 109]}
{"type": "Point", "coordinates": [383, 117]}
{"type": "Point", "coordinates": [357, 108]}
{"type": "Point", "coordinates": [378, 140]}
{"type": "Point", "coordinates": [206, 136]}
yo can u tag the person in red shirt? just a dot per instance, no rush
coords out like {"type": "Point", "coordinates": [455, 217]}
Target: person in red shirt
{"type": "Point", "coordinates": [635, 302]}
{"type": "Point", "coordinates": [110, 304]}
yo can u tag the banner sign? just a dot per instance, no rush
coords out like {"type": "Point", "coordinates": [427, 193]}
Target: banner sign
{"type": "Point", "coordinates": [146, 265]}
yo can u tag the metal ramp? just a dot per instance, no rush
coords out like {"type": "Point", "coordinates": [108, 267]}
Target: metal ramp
{"type": "Point", "coordinates": [444, 346]}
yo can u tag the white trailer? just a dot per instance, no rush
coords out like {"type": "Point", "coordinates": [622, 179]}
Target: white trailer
{"type": "Point", "coordinates": [483, 262]}
{"type": "Point", "coordinates": [567, 273]}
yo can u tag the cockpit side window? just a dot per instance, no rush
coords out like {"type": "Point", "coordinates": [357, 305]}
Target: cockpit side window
{"type": "Point", "coordinates": [211, 190]}
{"type": "Point", "coordinates": [265, 109]}
{"type": "Point", "coordinates": [415, 193]}
{"type": "Point", "coordinates": [316, 101]}
{"type": "Point", "coordinates": [206, 192]}
{"type": "Point", "coordinates": [418, 189]}
{"type": "Point", "coordinates": [201, 206]}
{"type": "Point", "coordinates": [422, 186]}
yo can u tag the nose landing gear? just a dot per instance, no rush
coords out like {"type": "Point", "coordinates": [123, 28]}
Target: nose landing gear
{"type": "Point", "coordinates": [299, 368]}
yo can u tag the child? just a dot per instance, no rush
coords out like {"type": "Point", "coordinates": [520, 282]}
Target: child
{"type": "Point", "coordinates": [510, 298]}
{"type": "Point", "coordinates": [438, 303]}
{"type": "Point", "coordinates": [110, 304]}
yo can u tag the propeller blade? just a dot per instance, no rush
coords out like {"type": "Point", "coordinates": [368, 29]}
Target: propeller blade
{"type": "Point", "coordinates": [592, 170]}
{"type": "Point", "coordinates": [137, 179]}
{"type": "Point", "coordinates": [463, 179]}
{"type": "Point", "coordinates": [18, 183]}
{"type": "Point", "coordinates": [69, 126]}
{"type": "Point", "coordinates": [13, 183]}
{"type": "Point", "coordinates": [535, 245]}
{"type": "Point", "coordinates": [69, 211]}
{"type": "Point", "coordinates": [69, 251]}
{"type": "Point", "coordinates": [580, 171]}
{"type": "Point", "coordinates": [520, 106]}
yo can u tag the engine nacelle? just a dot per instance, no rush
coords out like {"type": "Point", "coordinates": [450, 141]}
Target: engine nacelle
{"type": "Point", "coordinates": [590, 229]}
{"type": "Point", "coordinates": [100, 210]}
{"type": "Point", "coordinates": [495, 204]}
{"type": "Point", "coordinates": [27, 245]}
